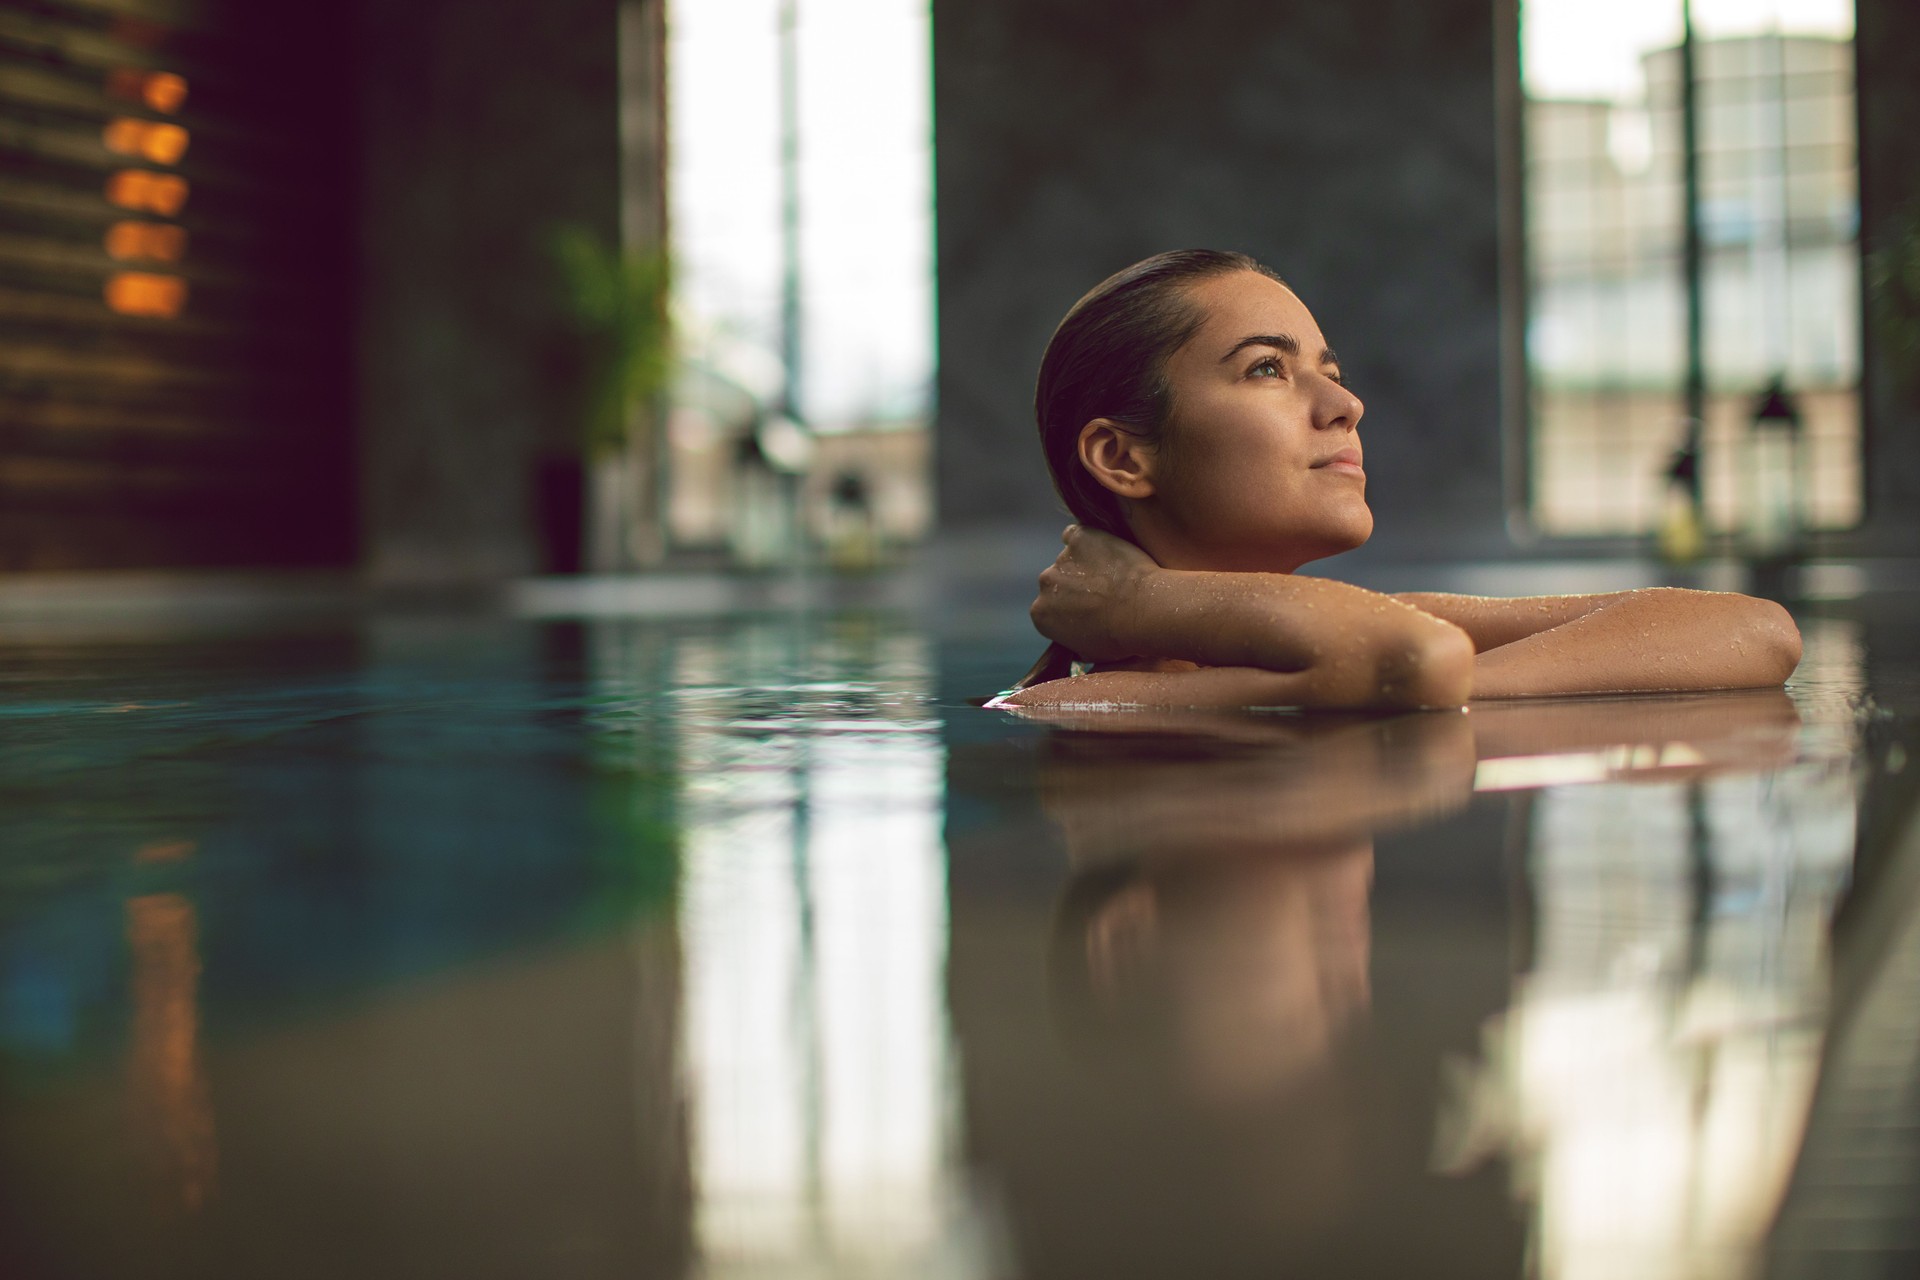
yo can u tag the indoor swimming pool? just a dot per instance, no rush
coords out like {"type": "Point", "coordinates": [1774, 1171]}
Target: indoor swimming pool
{"type": "Point", "coordinates": [750, 946]}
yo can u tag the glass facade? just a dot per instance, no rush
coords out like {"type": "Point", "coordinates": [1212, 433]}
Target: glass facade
{"type": "Point", "coordinates": [1606, 226]}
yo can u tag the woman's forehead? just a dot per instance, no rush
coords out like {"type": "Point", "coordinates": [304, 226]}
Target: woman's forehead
{"type": "Point", "coordinates": [1244, 304]}
{"type": "Point", "coordinates": [1254, 304]}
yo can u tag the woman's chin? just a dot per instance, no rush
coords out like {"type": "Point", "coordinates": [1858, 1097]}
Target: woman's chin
{"type": "Point", "coordinates": [1344, 535]}
{"type": "Point", "coordinates": [1362, 530]}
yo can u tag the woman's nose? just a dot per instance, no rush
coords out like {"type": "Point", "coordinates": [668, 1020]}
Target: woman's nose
{"type": "Point", "coordinates": [1337, 407]}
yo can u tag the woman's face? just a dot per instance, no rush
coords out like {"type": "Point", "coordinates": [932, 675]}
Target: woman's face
{"type": "Point", "coordinates": [1259, 468]}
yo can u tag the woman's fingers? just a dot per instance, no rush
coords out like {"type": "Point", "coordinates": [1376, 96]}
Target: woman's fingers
{"type": "Point", "coordinates": [1101, 555]}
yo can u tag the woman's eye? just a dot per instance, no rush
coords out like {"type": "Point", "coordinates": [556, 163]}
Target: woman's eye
{"type": "Point", "coordinates": [1268, 368]}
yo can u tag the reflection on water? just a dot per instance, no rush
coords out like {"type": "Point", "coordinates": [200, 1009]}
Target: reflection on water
{"type": "Point", "coordinates": [166, 1076]}
{"type": "Point", "coordinates": [1217, 910]}
{"type": "Point", "coordinates": [748, 948]}
{"type": "Point", "coordinates": [814, 920]}
{"type": "Point", "coordinates": [1646, 1085]}
{"type": "Point", "coordinates": [1651, 1080]}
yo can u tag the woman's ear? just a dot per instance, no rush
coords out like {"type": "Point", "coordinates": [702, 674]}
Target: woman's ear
{"type": "Point", "coordinates": [1121, 460]}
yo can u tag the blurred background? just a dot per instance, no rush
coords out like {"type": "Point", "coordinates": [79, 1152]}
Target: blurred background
{"type": "Point", "coordinates": [444, 295]}
{"type": "Point", "coordinates": [695, 920]}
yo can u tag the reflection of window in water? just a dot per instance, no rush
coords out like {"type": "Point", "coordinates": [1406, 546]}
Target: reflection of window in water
{"type": "Point", "coordinates": [1831, 679]}
{"type": "Point", "coordinates": [1779, 200]}
{"type": "Point", "coordinates": [1651, 1081]}
{"type": "Point", "coordinates": [814, 926]}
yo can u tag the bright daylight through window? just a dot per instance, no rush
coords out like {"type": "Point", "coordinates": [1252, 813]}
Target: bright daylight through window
{"type": "Point", "coordinates": [801, 187]}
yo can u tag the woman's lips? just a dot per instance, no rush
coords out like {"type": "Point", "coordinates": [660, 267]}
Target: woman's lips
{"type": "Point", "coordinates": [1346, 461]}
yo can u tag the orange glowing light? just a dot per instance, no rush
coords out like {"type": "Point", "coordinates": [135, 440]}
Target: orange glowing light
{"type": "Point", "coordinates": [141, 293]}
{"type": "Point", "coordinates": [153, 240]}
{"type": "Point", "coordinates": [160, 90]}
{"type": "Point", "coordinates": [160, 143]}
{"type": "Point", "coordinates": [141, 190]}
{"type": "Point", "coordinates": [165, 91]}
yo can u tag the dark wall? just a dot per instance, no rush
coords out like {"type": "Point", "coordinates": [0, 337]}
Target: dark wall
{"type": "Point", "coordinates": [1351, 146]}
{"type": "Point", "coordinates": [1887, 45]}
{"type": "Point", "coordinates": [483, 127]}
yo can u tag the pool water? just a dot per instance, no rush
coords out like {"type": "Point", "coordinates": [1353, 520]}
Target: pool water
{"type": "Point", "coordinates": [750, 946]}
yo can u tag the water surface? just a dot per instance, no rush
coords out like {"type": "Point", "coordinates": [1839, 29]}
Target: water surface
{"type": "Point", "coordinates": [751, 947]}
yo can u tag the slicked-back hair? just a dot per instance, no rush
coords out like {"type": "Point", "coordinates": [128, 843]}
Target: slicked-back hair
{"type": "Point", "coordinates": [1108, 359]}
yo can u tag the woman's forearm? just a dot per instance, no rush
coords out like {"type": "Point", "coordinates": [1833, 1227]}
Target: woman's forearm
{"type": "Point", "coordinates": [1105, 600]}
{"type": "Point", "coordinates": [1354, 647]}
{"type": "Point", "coordinates": [1660, 639]}
{"type": "Point", "coordinates": [1496, 620]}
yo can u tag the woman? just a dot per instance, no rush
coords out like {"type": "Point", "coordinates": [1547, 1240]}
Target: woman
{"type": "Point", "coordinates": [1196, 425]}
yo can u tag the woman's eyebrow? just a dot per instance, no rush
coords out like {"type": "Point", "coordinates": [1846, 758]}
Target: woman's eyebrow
{"type": "Point", "coordinates": [1280, 342]}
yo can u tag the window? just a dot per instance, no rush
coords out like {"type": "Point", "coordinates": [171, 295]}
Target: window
{"type": "Point", "coordinates": [1607, 322]}
{"type": "Point", "coordinates": [803, 277]}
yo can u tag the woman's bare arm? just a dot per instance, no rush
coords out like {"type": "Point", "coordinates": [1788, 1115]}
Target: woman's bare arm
{"type": "Point", "coordinates": [1654, 640]}
{"type": "Point", "coordinates": [1105, 599]}
{"type": "Point", "coordinates": [1496, 620]}
{"type": "Point", "coordinates": [1264, 639]}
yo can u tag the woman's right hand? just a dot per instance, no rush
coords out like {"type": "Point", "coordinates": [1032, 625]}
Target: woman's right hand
{"type": "Point", "coordinates": [1086, 592]}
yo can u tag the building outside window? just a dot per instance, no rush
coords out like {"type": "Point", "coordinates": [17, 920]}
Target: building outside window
{"type": "Point", "coordinates": [800, 175]}
{"type": "Point", "coordinates": [1606, 340]}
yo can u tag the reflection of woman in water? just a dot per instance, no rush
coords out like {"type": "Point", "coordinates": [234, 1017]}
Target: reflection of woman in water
{"type": "Point", "coordinates": [1197, 427]}
{"type": "Point", "coordinates": [1216, 920]}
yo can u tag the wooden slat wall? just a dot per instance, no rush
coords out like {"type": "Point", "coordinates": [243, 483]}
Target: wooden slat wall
{"type": "Point", "coordinates": [220, 435]}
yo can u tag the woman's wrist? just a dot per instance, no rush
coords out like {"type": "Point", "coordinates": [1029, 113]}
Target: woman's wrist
{"type": "Point", "coordinates": [1135, 602]}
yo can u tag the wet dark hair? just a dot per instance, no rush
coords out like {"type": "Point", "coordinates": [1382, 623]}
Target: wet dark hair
{"type": "Point", "coordinates": [1108, 359]}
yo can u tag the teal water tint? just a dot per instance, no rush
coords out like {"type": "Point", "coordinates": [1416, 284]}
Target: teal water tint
{"type": "Point", "coordinates": [752, 946]}
{"type": "Point", "coordinates": [342, 812]}
{"type": "Point", "coordinates": [348, 810]}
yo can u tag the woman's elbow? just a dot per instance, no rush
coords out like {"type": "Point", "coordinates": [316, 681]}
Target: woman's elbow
{"type": "Point", "coordinates": [1748, 642]}
{"type": "Point", "coordinates": [1431, 668]}
{"type": "Point", "coordinates": [1778, 640]}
